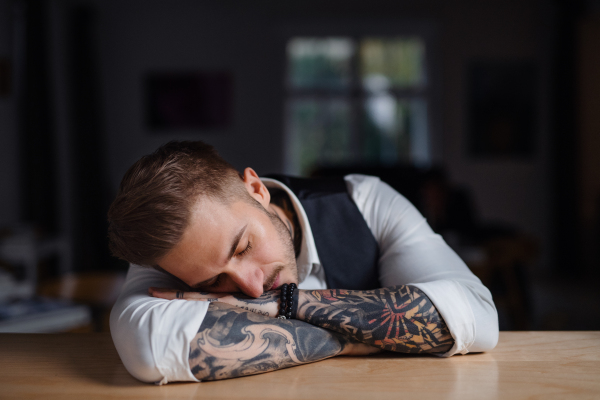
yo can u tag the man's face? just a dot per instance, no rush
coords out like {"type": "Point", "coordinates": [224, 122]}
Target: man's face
{"type": "Point", "coordinates": [236, 247]}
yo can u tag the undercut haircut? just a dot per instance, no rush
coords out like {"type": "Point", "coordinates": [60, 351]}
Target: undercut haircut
{"type": "Point", "coordinates": [157, 194]}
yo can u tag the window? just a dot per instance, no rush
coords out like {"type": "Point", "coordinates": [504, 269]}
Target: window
{"type": "Point", "coordinates": [355, 101]}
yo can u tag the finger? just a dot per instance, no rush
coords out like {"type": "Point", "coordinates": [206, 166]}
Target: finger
{"type": "Point", "coordinates": [162, 293]}
{"type": "Point", "coordinates": [172, 294]}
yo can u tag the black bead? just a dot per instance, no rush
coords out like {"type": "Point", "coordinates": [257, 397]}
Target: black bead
{"type": "Point", "coordinates": [288, 315]}
{"type": "Point", "coordinates": [282, 311]}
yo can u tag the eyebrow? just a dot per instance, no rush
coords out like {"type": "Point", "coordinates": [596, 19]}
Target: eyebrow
{"type": "Point", "coordinates": [236, 242]}
{"type": "Point", "coordinates": [234, 245]}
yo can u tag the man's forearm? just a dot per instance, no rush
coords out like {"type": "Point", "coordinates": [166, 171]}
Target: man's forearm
{"type": "Point", "coordinates": [233, 342]}
{"type": "Point", "coordinates": [240, 336]}
{"type": "Point", "coordinates": [399, 318]}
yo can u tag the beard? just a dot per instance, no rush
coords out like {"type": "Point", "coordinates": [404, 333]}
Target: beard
{"type": "Point", "coordinates": [286, 241]}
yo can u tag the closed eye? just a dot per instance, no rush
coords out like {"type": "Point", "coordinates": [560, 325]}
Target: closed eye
{"type": "Point", "coordinates": [216, 283]}
{"type": "Point", "coordinates": [217, 280]}
{"type": "Point", "coordinates": [245, 251]}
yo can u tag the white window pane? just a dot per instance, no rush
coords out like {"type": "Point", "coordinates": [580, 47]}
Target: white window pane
{"type": "Point", "coordinates": [420, 149]}
{"type": "Point", "coordinates": [394, 131]}
{"type": "Point", "coordinates": [318, 134]}
{"type": "Point", "coordinates": [319, 62]}
{"type": "Point", "coordinates": [393, 62]}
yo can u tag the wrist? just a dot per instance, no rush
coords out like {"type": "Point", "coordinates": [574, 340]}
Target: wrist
{"type": "Point", "coordinates": [303, 298]}
{"type": "Point", "coordinates": [294, 305]}
{"type": "Point", "coordinates": [288, 301]}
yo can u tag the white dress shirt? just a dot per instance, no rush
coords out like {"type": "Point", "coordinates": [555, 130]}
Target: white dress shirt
{"type": "Point", "coordinates": [153, 335]}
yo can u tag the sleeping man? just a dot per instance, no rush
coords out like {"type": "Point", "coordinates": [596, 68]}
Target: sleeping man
{"type": "Point", "coordinates": [214, 254]}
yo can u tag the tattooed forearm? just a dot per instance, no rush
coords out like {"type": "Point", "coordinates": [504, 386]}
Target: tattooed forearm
{"type": "Point", "coordinates": [265, 298]}
{"type": "Point", "coordinates": [256, 310]}
{"type": "Point", "coordinates": [399, 318]}
{"type": "Point", "coordinates": [233, 342]}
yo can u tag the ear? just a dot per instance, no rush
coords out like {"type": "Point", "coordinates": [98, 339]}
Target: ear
{"type": "Point", "coordinates": [256, 188]}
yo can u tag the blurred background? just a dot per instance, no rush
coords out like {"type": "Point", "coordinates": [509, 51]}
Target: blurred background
{"type": "Point", "coordinates": [485, 114]}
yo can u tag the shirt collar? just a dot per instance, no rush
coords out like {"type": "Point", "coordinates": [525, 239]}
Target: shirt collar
{"type": "Point", "coordinates": [308, 251]}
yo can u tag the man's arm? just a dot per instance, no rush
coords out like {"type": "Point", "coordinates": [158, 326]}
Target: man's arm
{"type": "Point", "coordinates": [233, 342]}
{"type": "Point", "coordinates": [398, 318]}
{"type": "Point", "coordinates": [412, 254]}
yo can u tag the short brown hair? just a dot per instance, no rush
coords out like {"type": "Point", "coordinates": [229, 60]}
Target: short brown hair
{"type": "Point", "coordinates": [153, 206]}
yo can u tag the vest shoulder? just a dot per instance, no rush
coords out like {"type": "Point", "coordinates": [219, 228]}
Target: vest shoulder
{"type": "Point", "coordinates": [310, 187]}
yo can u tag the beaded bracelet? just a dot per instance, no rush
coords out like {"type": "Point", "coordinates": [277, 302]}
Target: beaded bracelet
{"type": "Point", "coordinates": [287, 306]}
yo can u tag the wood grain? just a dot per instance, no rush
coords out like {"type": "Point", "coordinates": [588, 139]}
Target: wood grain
{"type": "Point", "coordinates": [524, 365]}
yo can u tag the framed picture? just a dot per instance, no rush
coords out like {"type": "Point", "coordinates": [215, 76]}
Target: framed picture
{"type": "Point", "coordinates": [503, 106]}
{"type": "Point", "coordinates": [188, 100]}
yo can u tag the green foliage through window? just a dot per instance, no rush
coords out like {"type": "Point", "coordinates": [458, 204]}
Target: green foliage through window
{"type": "Point", "coordinates": [355, 102]}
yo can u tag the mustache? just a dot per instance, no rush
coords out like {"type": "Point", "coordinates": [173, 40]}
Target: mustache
{"type": "Point", "coordinates": [269, 282]}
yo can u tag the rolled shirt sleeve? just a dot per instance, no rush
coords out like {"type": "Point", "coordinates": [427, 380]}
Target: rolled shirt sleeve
{"type": "Point", "coordinates": [153, 336]}
{"type": "Point", "coordinates": [412, 254]}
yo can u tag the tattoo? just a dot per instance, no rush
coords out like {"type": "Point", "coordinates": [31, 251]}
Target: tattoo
{"type": "Point", "coordinates": [400, 318]}
{"type": "Point", "coordinates": [266, 297]}
{"type": "Point", "coordinates": [232, 342]}
{"type": "Point", "coordinates": [256, 311]}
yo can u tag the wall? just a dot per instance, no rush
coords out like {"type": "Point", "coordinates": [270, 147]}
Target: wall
{"type": "Point", "coordinates": [517, 192]}
{"type": "Point", "coordinates": [136, 37]}
{"type": "Point", "coordinates": [245, 38]}
{"type": "Point", "coordinates": [9, 167]}
{"type": "Point", "coordinates": [589, 139]}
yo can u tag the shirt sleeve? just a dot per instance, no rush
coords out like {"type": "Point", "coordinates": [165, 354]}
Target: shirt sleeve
{"type": "Point", "coordinates": [412, 254]}
{"type": "Point", "coordinates": [153, 336]}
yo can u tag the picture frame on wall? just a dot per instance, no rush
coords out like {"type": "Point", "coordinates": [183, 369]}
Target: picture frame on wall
{"type": "Point", "coordinates": [188, 100]}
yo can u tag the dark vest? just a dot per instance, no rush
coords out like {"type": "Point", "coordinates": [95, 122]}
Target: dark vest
{"type": "Point", "coordinates": [347, 249]}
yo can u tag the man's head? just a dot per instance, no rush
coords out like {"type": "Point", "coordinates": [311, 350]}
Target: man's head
{"type": "Point", "coordinates": [185, 209]}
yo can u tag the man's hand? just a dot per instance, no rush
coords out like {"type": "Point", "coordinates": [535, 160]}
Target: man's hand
{"type": "Point", "coordinates": [267, 304]}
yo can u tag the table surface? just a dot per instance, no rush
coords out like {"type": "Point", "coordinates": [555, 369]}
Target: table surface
{"type": "Point", "coordinates": [524, 365]}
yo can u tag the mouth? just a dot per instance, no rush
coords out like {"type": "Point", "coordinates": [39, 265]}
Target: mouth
{"type": "Point", "coordinates": [275, 283]}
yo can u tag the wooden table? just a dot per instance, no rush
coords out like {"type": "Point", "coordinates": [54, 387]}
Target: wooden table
{"type": "Point", "coordinates": [524, 365]}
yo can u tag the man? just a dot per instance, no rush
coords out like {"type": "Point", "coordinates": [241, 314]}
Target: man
{"type": "Point", "coordinates": [210, 250]}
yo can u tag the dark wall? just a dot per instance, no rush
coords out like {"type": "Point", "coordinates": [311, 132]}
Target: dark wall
{"type": "Point", "coordinates": [248, 40]}
{"type": "Point", "coordinates": [9, 161]}
{"type": "Point", "coordinates": [99, 116]}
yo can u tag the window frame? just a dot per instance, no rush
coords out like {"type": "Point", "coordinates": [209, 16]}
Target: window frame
{"type": "Point", "coordinates": [356, 95]}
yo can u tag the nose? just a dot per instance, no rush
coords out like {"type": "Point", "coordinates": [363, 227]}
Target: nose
{"type": "Point", "coordinates": [249, 279]}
